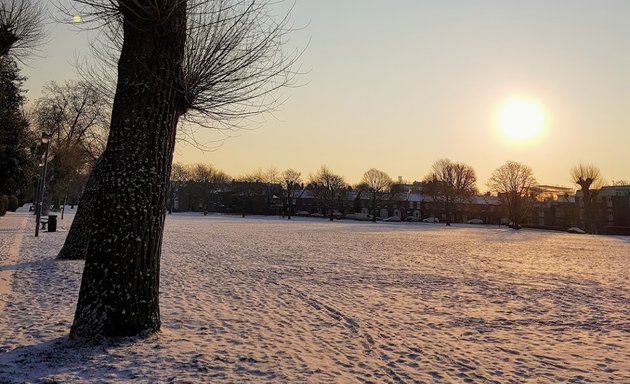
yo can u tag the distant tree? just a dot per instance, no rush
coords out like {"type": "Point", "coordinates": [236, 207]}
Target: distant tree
{"type": "Point", "coordinates": [377, 186]}
{"type": "Point", "coordinates": [588, 176]}
{"type": "Point", "coordinates": [206, 179]}
{"type": "Point", "coordinates": [247, 186]}
{"type": "Point", "coordinates": [270, 175]}
{"type": "Point", "coordinates": [200, 60]}
{"type": "Point", "coordinates": [450, 183]}
{"type": "Point", "coordinates": [327, 188]}
{"type": "Point", "coordinates": [17, 141]}
{"type": "Point", "coordinates": [291, 180]}
{"type": "Point", "coordinates": [514, 183]}
{"type": "Point", "coordinates": [21, 27]}
{"type": "Point", "coordinates": [180, 176]}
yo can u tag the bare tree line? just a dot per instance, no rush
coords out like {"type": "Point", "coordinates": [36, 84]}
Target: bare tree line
{"type": "Point", "coordinates": [448, 183]}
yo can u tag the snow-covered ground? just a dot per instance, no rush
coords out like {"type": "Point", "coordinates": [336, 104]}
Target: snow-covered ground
{"type": "Point", "coordinates": [265, 300]}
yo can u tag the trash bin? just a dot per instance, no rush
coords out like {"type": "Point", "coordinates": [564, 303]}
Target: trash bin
{"type": "Point", "coordinates": [52, 223]}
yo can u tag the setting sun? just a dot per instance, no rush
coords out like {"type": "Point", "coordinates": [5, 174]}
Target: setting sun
{"type": "Point", "coordinates": [520, 119]}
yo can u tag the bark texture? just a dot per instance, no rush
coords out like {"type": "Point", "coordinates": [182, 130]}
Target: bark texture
{"type": "Point", "coordinates": [75, 246]}
{"type": "Point", "coordinates": [125, 211]}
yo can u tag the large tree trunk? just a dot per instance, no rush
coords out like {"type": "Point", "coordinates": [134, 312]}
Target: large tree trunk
{"type": "Point", "coordinates": [119, 293]}
{"type": "Point", "coordinates": [75, 246]}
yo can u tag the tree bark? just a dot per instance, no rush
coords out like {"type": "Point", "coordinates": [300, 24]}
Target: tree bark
{"type": "Point", "coordinates": [75, 246]}
{"type": "Point", "coordinates": [119, 293]}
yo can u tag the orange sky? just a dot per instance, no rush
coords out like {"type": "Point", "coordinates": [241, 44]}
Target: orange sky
{"type": "Point", "coordinates": [397, 85]}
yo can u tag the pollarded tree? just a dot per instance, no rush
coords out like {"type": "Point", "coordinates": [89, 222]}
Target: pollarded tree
{"type": "Point", "coordinates": [514, 183]}
{"type": "Point", "coordinates": [587, 176]}
{"type": "Point", "coordinates": [233, 63]}
{"type": "Point", "coordinates": [327, 188]}
{"type": "Point", "coordinates": [211, 59]}
{"type": "Point", "coordinates": [377, 185]}
{"type": "Point", "coordinates": [451, 183]}
{"type": "Point", "coordinates": [291, 180]}
{"type": "Point", "coordinates": [21, 27]}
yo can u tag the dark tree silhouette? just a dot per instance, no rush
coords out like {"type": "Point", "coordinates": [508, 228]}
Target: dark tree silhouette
{"type": "Point", "coordinates": [204, 180]}
{"type": "Point", "coordinates": [209, 59]}
{"type": "Point", "coordinates": [17, 140]}
{"type": "Point", "coordinates": [21, 27]}
{"type": "Point", "coordinates": [587, 176]}
{"type": "Point", "coordinates": [232, 64]}
{"type": "Point", "coordinates": [291, 180]}
{"type": "Point", "coordinates": [327, 188]}
{"type": "Point", "coordinates": [514, 183]}
{"type": "Point", "coordinates": [377, 185]}
{"type": "Point", "coordinates": [77, 117]}
{"type": "Point", "coordinates": [451, 183]}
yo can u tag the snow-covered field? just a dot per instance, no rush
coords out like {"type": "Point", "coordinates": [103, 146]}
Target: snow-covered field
{"type": "Point", "coordinates": [265, 300]}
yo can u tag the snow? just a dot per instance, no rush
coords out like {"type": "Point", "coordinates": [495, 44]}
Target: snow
{"type": "Point", "coordinates": [309, 300]}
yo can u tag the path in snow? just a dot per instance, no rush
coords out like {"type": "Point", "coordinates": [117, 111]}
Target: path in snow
{"type": "Point", "coordinates": [265, 300]}
{"type": "Point", "coordinates": [12, 230]}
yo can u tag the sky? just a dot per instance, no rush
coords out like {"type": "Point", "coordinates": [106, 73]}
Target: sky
{"type": "Point", "coordinates": [397, 85]}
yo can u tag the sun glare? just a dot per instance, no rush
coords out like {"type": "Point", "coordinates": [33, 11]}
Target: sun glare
{"type": "Point", "coordinates": [520, 120]}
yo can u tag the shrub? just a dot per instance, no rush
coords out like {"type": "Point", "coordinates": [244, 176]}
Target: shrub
{"type": "Point", "coordinates": [4, 204]}
{"type": "Point", "coordinates": [13, 203]}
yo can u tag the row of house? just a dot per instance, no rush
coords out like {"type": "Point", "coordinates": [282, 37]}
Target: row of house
{"type": "Point", "coordinates": [550, 207]}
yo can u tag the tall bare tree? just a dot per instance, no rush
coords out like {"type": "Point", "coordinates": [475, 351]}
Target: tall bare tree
{"type": "Point", "coordinates": [588, 176]}
{"type": "Point", "coordinates": [327, 188]}
{"type": "Point", "coordinates": [236, 60]}
{"type": "Point", "coordinates": [77, 117]}
{"type": "Point", "coordinates": [451, 183]}
{"type": "Point", "coordinates": [21, 27]}
{"type": "Point", "coordinates": [233, 64]}
{"type": "Point", "coordinates": [291, 180]}
{"type": "Point", "coordinates": [377, 185]}
{"type": "Point", "coordinates": [514, 183]}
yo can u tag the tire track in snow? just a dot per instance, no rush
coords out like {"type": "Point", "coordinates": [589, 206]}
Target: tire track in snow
{"type": "Point", "coordinates": [367, 340]}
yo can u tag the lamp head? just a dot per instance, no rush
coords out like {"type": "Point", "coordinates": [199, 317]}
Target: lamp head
{"type": "Point", "coordinates": [45, 137]}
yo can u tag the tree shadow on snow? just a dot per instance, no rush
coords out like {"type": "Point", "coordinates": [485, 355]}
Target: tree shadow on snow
{"type": "Point", "coordinates": [40, 264]}
{"type": "Point", "coordinates": [58, 357]}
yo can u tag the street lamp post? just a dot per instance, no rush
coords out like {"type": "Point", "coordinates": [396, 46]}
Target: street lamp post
{"type": "Point", "coordinates": [42, 181]}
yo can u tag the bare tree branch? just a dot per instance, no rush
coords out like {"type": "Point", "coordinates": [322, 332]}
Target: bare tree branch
{"type": "Point", "coordinates": [233, 63]}
{"type": "Point", "coordinates": [21, 27]}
